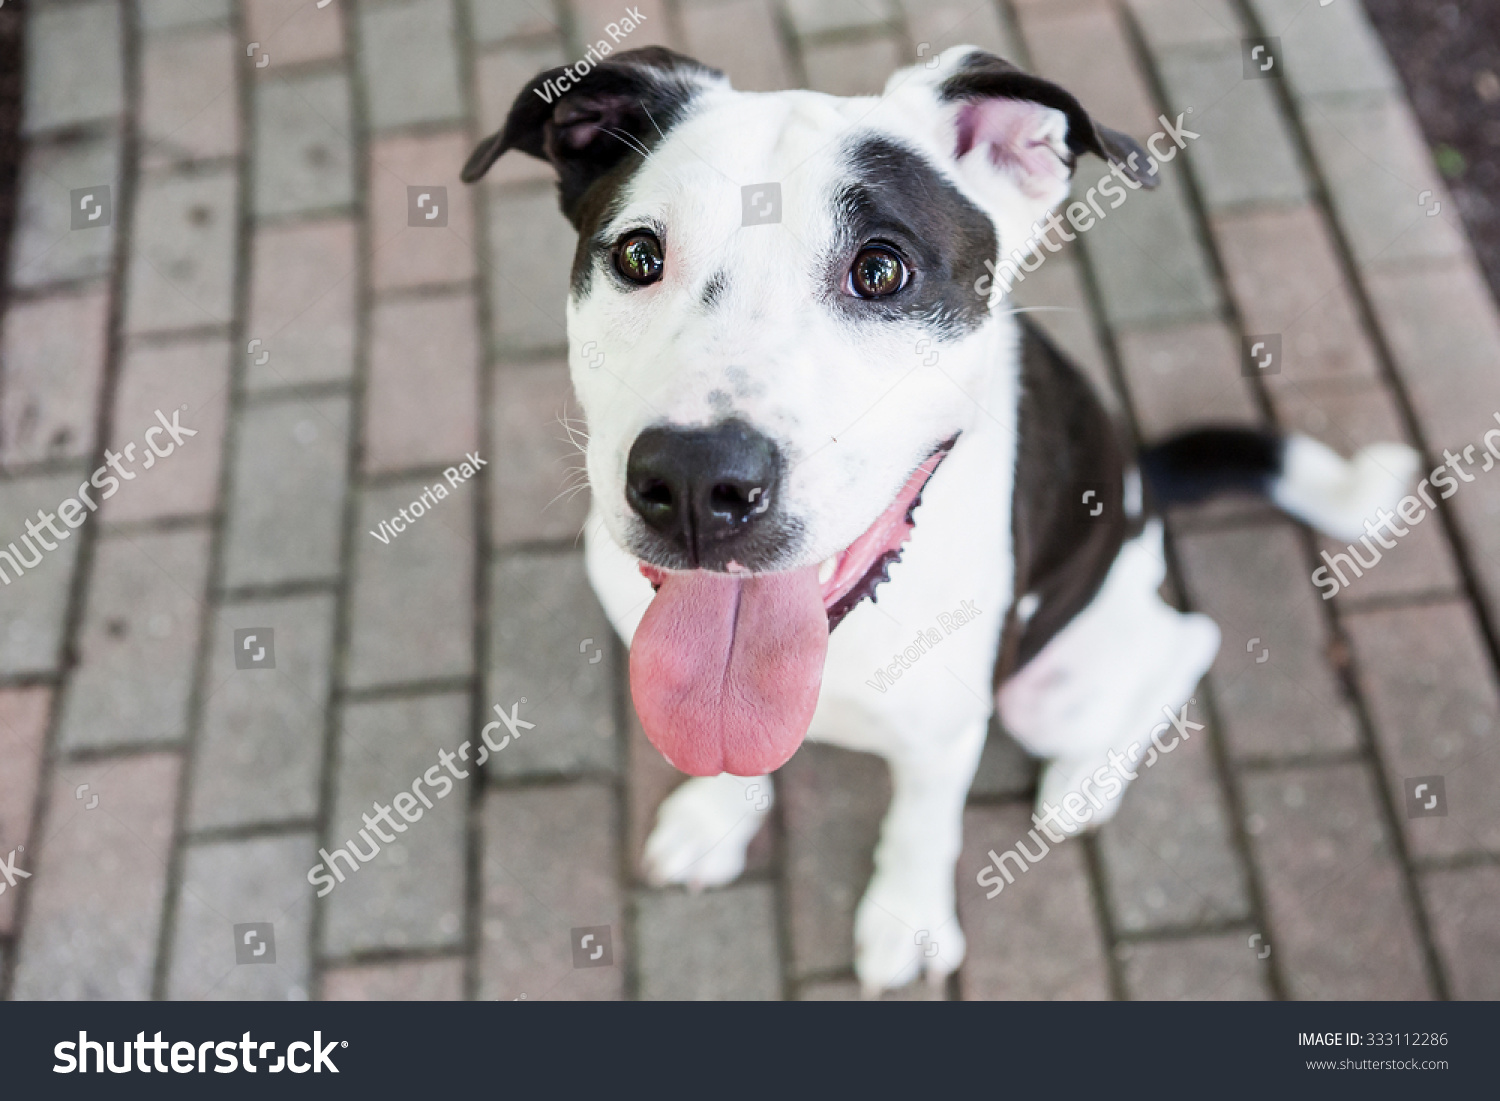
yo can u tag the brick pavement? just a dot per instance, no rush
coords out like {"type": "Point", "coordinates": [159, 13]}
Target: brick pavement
{"type": "Point", "coordinates": [258, 272]}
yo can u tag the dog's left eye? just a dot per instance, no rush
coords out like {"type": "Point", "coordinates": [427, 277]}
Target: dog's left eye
{"type": "Point", "coordinates": [877, 272]}
{"type": "Point", "coordinates": [638, 258]}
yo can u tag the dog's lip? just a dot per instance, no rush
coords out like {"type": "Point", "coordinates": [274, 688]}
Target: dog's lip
{"type": "Point", "coordinates": [863, 564]}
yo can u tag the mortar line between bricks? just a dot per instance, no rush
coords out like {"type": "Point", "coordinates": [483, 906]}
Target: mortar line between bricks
{"type": "Point", "coordinates": [790, 43]}
{"type": "Point", "coordinates": [103, 425]}
{"type": "Point", "coordinates": [1109, 931]}
{"type": "Point", "coordinates": [208, 606]}
{"type": "Point", "coordinates": [480, 288]}
{"type": "Point", "coordinates": [1406, 412]}
{"type": "Point", "coordinates": [358, 135]}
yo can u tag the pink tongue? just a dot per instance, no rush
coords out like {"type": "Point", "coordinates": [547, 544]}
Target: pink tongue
{"type": "Point", "coordinates": [725, 670]}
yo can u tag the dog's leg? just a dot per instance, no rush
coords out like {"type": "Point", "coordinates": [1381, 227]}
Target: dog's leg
{"type": "Point", "coordinates": [907, 924]}
{"type": "Point", "coordinates": [703, 829]}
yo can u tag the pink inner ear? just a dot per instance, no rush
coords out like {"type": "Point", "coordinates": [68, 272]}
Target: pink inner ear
{"type": "Point", "coordinates": [1015, 132]}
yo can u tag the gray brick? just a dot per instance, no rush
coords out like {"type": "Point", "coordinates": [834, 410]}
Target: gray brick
{"type": "Point", "coordinates": [1183, 375]}
{"type": "Point", "coordinates": [832, 802]}
{"type": "Point", "coordinates": [1243, 153]}
{"type": "Point", "coordinates": [1253, 582]}
{"type": "Point", "coordinates": [1169, 855]}
{"type": "Point", "coordinates": [1005, 769]}
{"type": "Point", "coordinates": [1436, 711]}
{"type": "Point", "coordinates": [1056, 291]}
{"type": "Point", "coordinates": [303, 155]}
{"type": "Point", "coordinates": [495, 20]}
{"type": "Point", "coordinates": [1465, 908]}
{"type": "Point", "coordinates": [1038, 938]}
{"type": "Point", "coordinates": [820, 16]}
{"type": "Point", "coordinates": [302, 289]}
{"type": "Point", "coordinates": [73, 64]}
{"type": "Point", "coordinates": [851, 68]}
{"type": "Point", "coordinates": [1339, 923]}
{"type": "Point", "coordinates": [189, 110]}
{"type": "Point", "coordinates": [542, 612]}
{"type": "Point", "coordinates": [410, 63]}
{"type": "Point", "coordinates": [715, 946]}
{"type": "Point", "coordinates": [46, 248]}
{"type": "Point", "coordinates": [1168, 23]}
{"type": "Point", "coordinates": [742, 39]}
{"type": "Point", "coordinates": [956, 23]}
{"type": "Point", "coordinates": [99, 882]}
{"type": "Point", "coordinates": [52, 361]}
{"type": "Point", "coordinates": [286, 509]}
{"type": "Point", "coordinates": [1329, 51]}
{"type": "Point", "coordinates": [1375, 164]}
{"type": "Point", "coordinates": [182, 256]}
{"type": "Point", "coordinates": [412, 894]}
{"type": "Point", "coordinates": [24, 714]}
{"type": "Point", "coordinates": [36, 600]}
{"type": "Point", "coordinates": [1200, 969]}
{"type": "Point", "coordinates": [413, 606]}
{"type": "Point", "coordinates": [229, 883]}
{"type": "Point", "coordinates": [140, 632]}
{"type": "Point", "coordinates": [549, 866]}
{"type": "Point", "coordinates": [425, 980]}
{"type": "Point", "coordinates": [163, 15]}
{"type": "Point", "coordinates": [535, 464]}
{"type": "Point", "coordinates": [260, 751]}
{"type": "Point", "coordinates": [529, 312]}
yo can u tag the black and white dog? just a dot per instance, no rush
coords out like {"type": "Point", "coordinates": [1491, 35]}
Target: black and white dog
{"type": "Point", "coordinates": [770, 414]}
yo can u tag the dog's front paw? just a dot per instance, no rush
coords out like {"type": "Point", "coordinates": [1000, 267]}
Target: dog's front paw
{"type": "Point", "coordinates": [905, 926]}
{"type": "Point", "coordinates": [703, 829]}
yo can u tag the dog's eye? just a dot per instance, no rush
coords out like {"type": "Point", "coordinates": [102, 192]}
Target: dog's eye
{"type": "Point", "coordinates": [638, 258]}
{"type": "Point", "coordinates": [877, 272]}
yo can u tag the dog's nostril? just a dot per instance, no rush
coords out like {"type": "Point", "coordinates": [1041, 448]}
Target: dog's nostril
{"type": "Point", "coordinates": [726, 498]}
{"type": "Point", "coordinates": [656, 492]}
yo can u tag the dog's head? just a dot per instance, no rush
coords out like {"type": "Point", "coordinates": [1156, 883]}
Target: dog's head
{"type": "Point", "coordinates": [784, 289]}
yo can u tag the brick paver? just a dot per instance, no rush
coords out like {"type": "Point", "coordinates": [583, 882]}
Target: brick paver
{"type": "Point", "coordinates": [335, 354]}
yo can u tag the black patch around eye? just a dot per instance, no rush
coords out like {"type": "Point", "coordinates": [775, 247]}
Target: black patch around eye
{"type": "Point", "coordinates": [713, 290]}
{"type": "Point", "coordinates": [896, 194]}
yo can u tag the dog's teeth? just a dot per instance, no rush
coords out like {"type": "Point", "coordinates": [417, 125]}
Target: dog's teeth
{"type": "Point", "coordinates": [825, 571]}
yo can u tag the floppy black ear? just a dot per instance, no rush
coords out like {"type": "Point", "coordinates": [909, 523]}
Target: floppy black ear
{"type": "Point", "coordinates": [997, 98]}
{"type": "Point", "coordinates": [586, 123]}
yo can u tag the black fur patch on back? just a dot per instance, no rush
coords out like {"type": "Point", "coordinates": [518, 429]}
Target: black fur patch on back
{"type": "Point", "coordinates": [1195, 465]}
{"type": "Point", "coordinates": [1067, 514]}
{"type": "Point", "coordinates": [895, 195]}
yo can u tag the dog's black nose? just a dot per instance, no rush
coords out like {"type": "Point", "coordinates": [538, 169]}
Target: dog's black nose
{"type": "Point", "coordinates": [702, 488]}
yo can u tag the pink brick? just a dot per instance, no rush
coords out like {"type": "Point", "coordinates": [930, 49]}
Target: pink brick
{"type": "Point", "coordinates": [1038, 938]}
{"type": "Point", "coordinates": [1465, 908]}
{"type": "Point", "coordinates": [502, 76]}
{"type": "Point", "coordinates": [53, 360]}
{"type": "Point", "coordinates": [407, 256]}
{"type": "Point", "coordinates": [590, 17]}
{"type": "Point", "coordinates": [1286, 279]}
{"type": "Point", "coordinates": [23, 733]}
{"type": "Point", "coordinates": [1436, 711]}
{"type": "Point", "coordinates": [1347, 417]}
{"type": "Point", "coordinates": [741, 38]}
{"type": "Point", "coordinates": [189, 109]}
{"type": "Point", "coordinates": [303, 283]}
{"type": "Point", "coordinates": [99, 881]}
{"type": "Point", "coordinates": [404, 981]}
{"type": "Point", "coordinates": [536, 464]}
{"type": "Point", "coordinates": [295, 30]}
{"type": "Point", "coordinates": [851, 68]}
{"type": "Point", "coordinates": [191, 378]}
{"type": "Point", "coordinates": [422, 401]}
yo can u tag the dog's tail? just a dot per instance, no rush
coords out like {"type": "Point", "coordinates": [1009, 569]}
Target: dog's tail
{"type": "Point", "coordinates": [1300, 475]}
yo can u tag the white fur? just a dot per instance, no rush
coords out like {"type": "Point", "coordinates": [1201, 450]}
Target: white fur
{"type": "Point", "coordinates": [1336, 495]}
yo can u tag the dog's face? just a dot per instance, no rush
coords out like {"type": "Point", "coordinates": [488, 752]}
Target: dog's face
{"type": "Point", "coordinates": [775, 336]}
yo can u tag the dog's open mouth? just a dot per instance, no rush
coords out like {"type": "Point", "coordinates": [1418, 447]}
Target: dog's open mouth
{"type": "Point", "coordinates": [725, 668]}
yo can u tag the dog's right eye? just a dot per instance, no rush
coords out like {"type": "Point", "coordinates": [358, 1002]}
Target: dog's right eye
{"type": "Point", "coordinates": [638, 258]}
